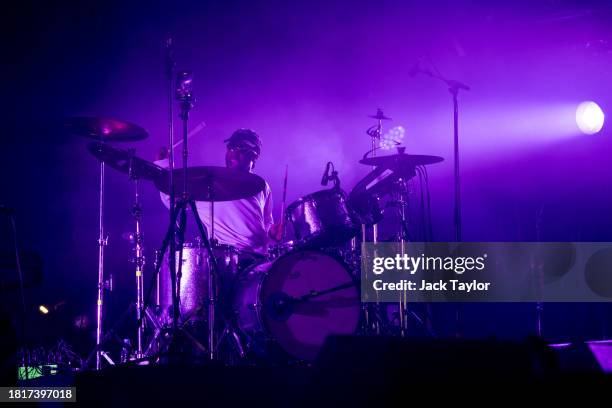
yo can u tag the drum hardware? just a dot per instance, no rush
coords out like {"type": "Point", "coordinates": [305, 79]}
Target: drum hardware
{"type": "Point", "coordinates": [375, 132]}
{"type": "Point", "coordinates": [212, 184]}
{"type": "Point", "coordinates": [139, 259]}
{"type": "Point", "coordinates": [102, 130]}
{"type": "Point", "coordinates": [390, 176]}
{"type": "Point", "coordinates": [175, 236]}
{"type": "Point", "coordinates": [205, 183]}
{"type": "Point", "coordinates": [125, 161]}
{"type": "Point", "coordinates": [372, 323]}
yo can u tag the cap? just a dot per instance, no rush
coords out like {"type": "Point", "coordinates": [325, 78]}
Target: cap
{"type": "Point", "coordinates": [245, 138]}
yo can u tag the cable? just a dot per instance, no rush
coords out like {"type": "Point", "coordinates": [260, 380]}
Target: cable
{"type": "Point", "coordinates": [430, 221]}
{"type": "Point", "coordinates": [422, 202]}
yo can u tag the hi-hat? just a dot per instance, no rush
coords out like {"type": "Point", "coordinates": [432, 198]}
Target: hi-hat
{"type": "Point", "coordinates": [125, 161]}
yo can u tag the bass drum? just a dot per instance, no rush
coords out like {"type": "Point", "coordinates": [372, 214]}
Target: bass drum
{"type": "Point", "coordinates": [271, 314]}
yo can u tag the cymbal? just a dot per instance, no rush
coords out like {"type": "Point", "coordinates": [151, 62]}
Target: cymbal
{"type": "Point", "coordinates": [125, 161]}
{"type": "Point", "coordinates": [104, 129]}
{"type": "Point", "coordinates": [213, 183]}
{"type": "Point", "coordinates": [379, 182]}
{"type": "Point", "coordinates": [401, 160]}
{"type": "Point", "coordinates": [379, 115]}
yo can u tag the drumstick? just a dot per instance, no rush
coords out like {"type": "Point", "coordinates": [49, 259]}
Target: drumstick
{"type": "Point", "coordinates": [282, 221]}
{"type": "Point", "coordinates": [193, 132]}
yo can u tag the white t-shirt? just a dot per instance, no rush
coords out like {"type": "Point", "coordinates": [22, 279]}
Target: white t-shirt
{"type": "Point", "coordinates": [241, 223]}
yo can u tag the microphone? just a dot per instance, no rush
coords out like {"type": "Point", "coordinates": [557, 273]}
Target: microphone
{"type": "Point", "coordinates": [169, 50]}
{"type": "Point", "coordinates": [325, 178]}
{"type": "Point", "coordinates": [184, 86]}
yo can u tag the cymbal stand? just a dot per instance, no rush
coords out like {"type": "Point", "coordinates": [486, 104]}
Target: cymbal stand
{"type": "Point", "coordinates": [371, 314]}
{"type": "Point", "coordinates": [229, 330]}
{"type": "Point", "coordinates": [139, 259]}
{"type": "Point", "coordinates": [401, 198]}
{"type": "Point", "coordinates": [403, 236]}
{"type": "Point", "coordinates": [212, 296]}
{"type": "Point", "coordinates": [102, 284]}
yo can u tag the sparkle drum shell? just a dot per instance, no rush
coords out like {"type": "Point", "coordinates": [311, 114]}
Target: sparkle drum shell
{"type": "Point", "coordinates": [322, 219]}
{"type": "Point", "coordinates": [194, 279]}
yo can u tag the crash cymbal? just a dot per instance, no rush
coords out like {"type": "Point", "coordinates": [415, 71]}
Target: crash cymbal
{"type": "Point", "coordinates": [213, 183]}
{"type": "Point", "coordinates": [401, 160]}
{"type": "Point", "coordinates": [125, 161]}
{"type": "Point", "coordinates": [104, 129]}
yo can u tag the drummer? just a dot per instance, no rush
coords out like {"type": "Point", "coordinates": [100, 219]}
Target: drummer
{"type": "Point", "coordinates": [246, 224]}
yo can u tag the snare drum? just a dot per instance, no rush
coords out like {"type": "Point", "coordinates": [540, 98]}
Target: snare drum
{"type": "Point", "coordinates": [322, 219]}
{"type": "Point", "coordinates": [273, 314]}
{"type": "Point", "coordinates": [194, 280]}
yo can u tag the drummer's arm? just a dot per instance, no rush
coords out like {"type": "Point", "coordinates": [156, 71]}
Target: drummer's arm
{"type": "Point", "coordinates": [273, 230]}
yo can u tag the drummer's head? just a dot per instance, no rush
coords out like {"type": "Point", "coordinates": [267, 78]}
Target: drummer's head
{"type": "Point", "coordinates": [243, 149]}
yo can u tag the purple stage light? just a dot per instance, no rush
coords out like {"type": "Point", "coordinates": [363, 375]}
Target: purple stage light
{"type": "Point", "coordinates": [589, 117]}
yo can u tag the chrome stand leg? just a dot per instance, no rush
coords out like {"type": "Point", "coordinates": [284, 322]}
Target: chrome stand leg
{"type": "Point", "coordinates": [102, 241]}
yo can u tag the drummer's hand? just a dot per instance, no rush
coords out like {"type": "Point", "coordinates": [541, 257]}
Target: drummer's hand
{"type": "Point", "coordinates": [162, 153]}
{"type": "Point", "coordinates": [276, 232]}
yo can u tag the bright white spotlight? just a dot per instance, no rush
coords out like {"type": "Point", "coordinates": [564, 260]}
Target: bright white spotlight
{"type": "Point", "coordinates": [589, 117]}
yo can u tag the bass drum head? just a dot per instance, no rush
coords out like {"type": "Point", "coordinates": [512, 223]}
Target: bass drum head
{"type": "Point", "coordinates": [303, 332]}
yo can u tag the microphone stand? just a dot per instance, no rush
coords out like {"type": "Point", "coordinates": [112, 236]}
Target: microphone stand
{"type": "Point", "coordinates": [453, 87]}
{"type": "Point", "coordinates": [170, 64]}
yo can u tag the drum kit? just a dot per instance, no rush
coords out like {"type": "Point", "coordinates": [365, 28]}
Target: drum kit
{"type": "Point", "coordinates": [236, 307]}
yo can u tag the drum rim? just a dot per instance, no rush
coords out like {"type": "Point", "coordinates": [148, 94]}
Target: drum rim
{"type": "Point", "coordinates": [200, 245]}
{"type": "Point", "coordinates": [304, 243]}
{"type": "Point", "coordinates": [310, 196]}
